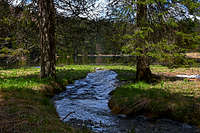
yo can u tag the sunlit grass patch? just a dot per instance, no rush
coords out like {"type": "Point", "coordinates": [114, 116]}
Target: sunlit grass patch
{"type": "Point", "coordinates": [17, 79]}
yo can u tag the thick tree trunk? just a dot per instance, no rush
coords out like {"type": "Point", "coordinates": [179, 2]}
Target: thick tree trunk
{"type": "Point", "coordinates": [143, 69]}
{"type": "Point", "coordinates": [47, 38]}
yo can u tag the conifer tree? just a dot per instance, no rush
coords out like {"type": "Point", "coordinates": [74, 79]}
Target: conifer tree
{"type": "Point", "coordinates": [154, 30]}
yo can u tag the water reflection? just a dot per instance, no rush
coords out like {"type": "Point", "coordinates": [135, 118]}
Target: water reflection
{"type": "Point", "coordinates": [97, 60]}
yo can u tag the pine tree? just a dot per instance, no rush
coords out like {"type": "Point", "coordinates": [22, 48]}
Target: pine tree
{"type": "Point", "coordinates": [156, 30]}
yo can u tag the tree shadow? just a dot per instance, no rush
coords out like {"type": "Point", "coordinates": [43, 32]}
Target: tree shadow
{"type": "Point", "coordinates": [125, 75]}
{"type": "Point", "coordinates": [25, 109]}
{"type": "Point", "coordinates": [156, 103]}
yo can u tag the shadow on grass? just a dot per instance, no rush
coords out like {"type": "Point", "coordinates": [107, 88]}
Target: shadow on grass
{"type": "Point", "coordinates": [24, 109]}
{"type": "Point", "coordinates": [125, 75]}
{"type": "Point", "coordinates": [156, 99]}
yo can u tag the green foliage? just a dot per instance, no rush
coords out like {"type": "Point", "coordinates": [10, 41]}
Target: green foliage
{"type": "Point", "coordinates": [163, 36]}
{"type": "Point", "coordinates": [18, 33]}
{"type": "Point", "coordinates": [164, 50]}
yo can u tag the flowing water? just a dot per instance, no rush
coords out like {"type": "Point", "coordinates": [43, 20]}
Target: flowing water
{"type": "Point", "coordinates": [85, 104]}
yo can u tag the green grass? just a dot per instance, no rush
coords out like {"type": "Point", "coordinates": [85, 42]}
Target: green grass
{"type": "Point", "coordinates": [25, 103]}
{"type": "Point", "coordinates": [26, 106]}
{"type": "Point", "coordinates": [170, 97]}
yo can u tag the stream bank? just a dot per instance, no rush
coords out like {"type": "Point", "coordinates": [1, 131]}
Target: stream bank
{"type": "Point", "coordinates": [87, 103]}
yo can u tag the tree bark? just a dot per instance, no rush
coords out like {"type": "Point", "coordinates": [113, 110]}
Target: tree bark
{"type": "Point", "coordinates": [143, 72]}
{"type": "Point", "coordinates": [47, 38]}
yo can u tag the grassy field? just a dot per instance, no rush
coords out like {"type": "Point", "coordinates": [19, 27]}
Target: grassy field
{"type": "Point", "coordinates": [25, 100]}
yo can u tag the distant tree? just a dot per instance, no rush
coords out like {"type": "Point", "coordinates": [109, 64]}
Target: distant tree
{"type": "Point", "coordinates": [156, 30]}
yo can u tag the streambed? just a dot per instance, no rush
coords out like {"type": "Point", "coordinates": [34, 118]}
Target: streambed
{"type": "Point", "coordinates": [85, 103]}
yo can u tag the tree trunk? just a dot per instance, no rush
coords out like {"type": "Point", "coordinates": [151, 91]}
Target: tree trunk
{"type": "Point", "coordinates": [47, 38]}
{"type": "Point", "coordinates": [143, 69]}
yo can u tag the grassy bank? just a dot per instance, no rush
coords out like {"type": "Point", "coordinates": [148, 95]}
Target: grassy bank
{"type": "Point", "coordinates": [168, 96]}
{"type": "Point", "coordinates": [25, 100]}
{"type": "Point", "coordinates": [25, 104]}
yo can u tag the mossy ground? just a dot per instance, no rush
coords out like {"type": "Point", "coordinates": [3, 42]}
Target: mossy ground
{"type": "Point", "coordinates": [168, 96]}
{"type": "Point", "coordinates": [25, 99]}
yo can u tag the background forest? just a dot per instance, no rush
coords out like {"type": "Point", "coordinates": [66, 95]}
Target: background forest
{"type": "Point", "coordinates": [77, 34]}
{"type": "Point", "coordinates": [74, 35]}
